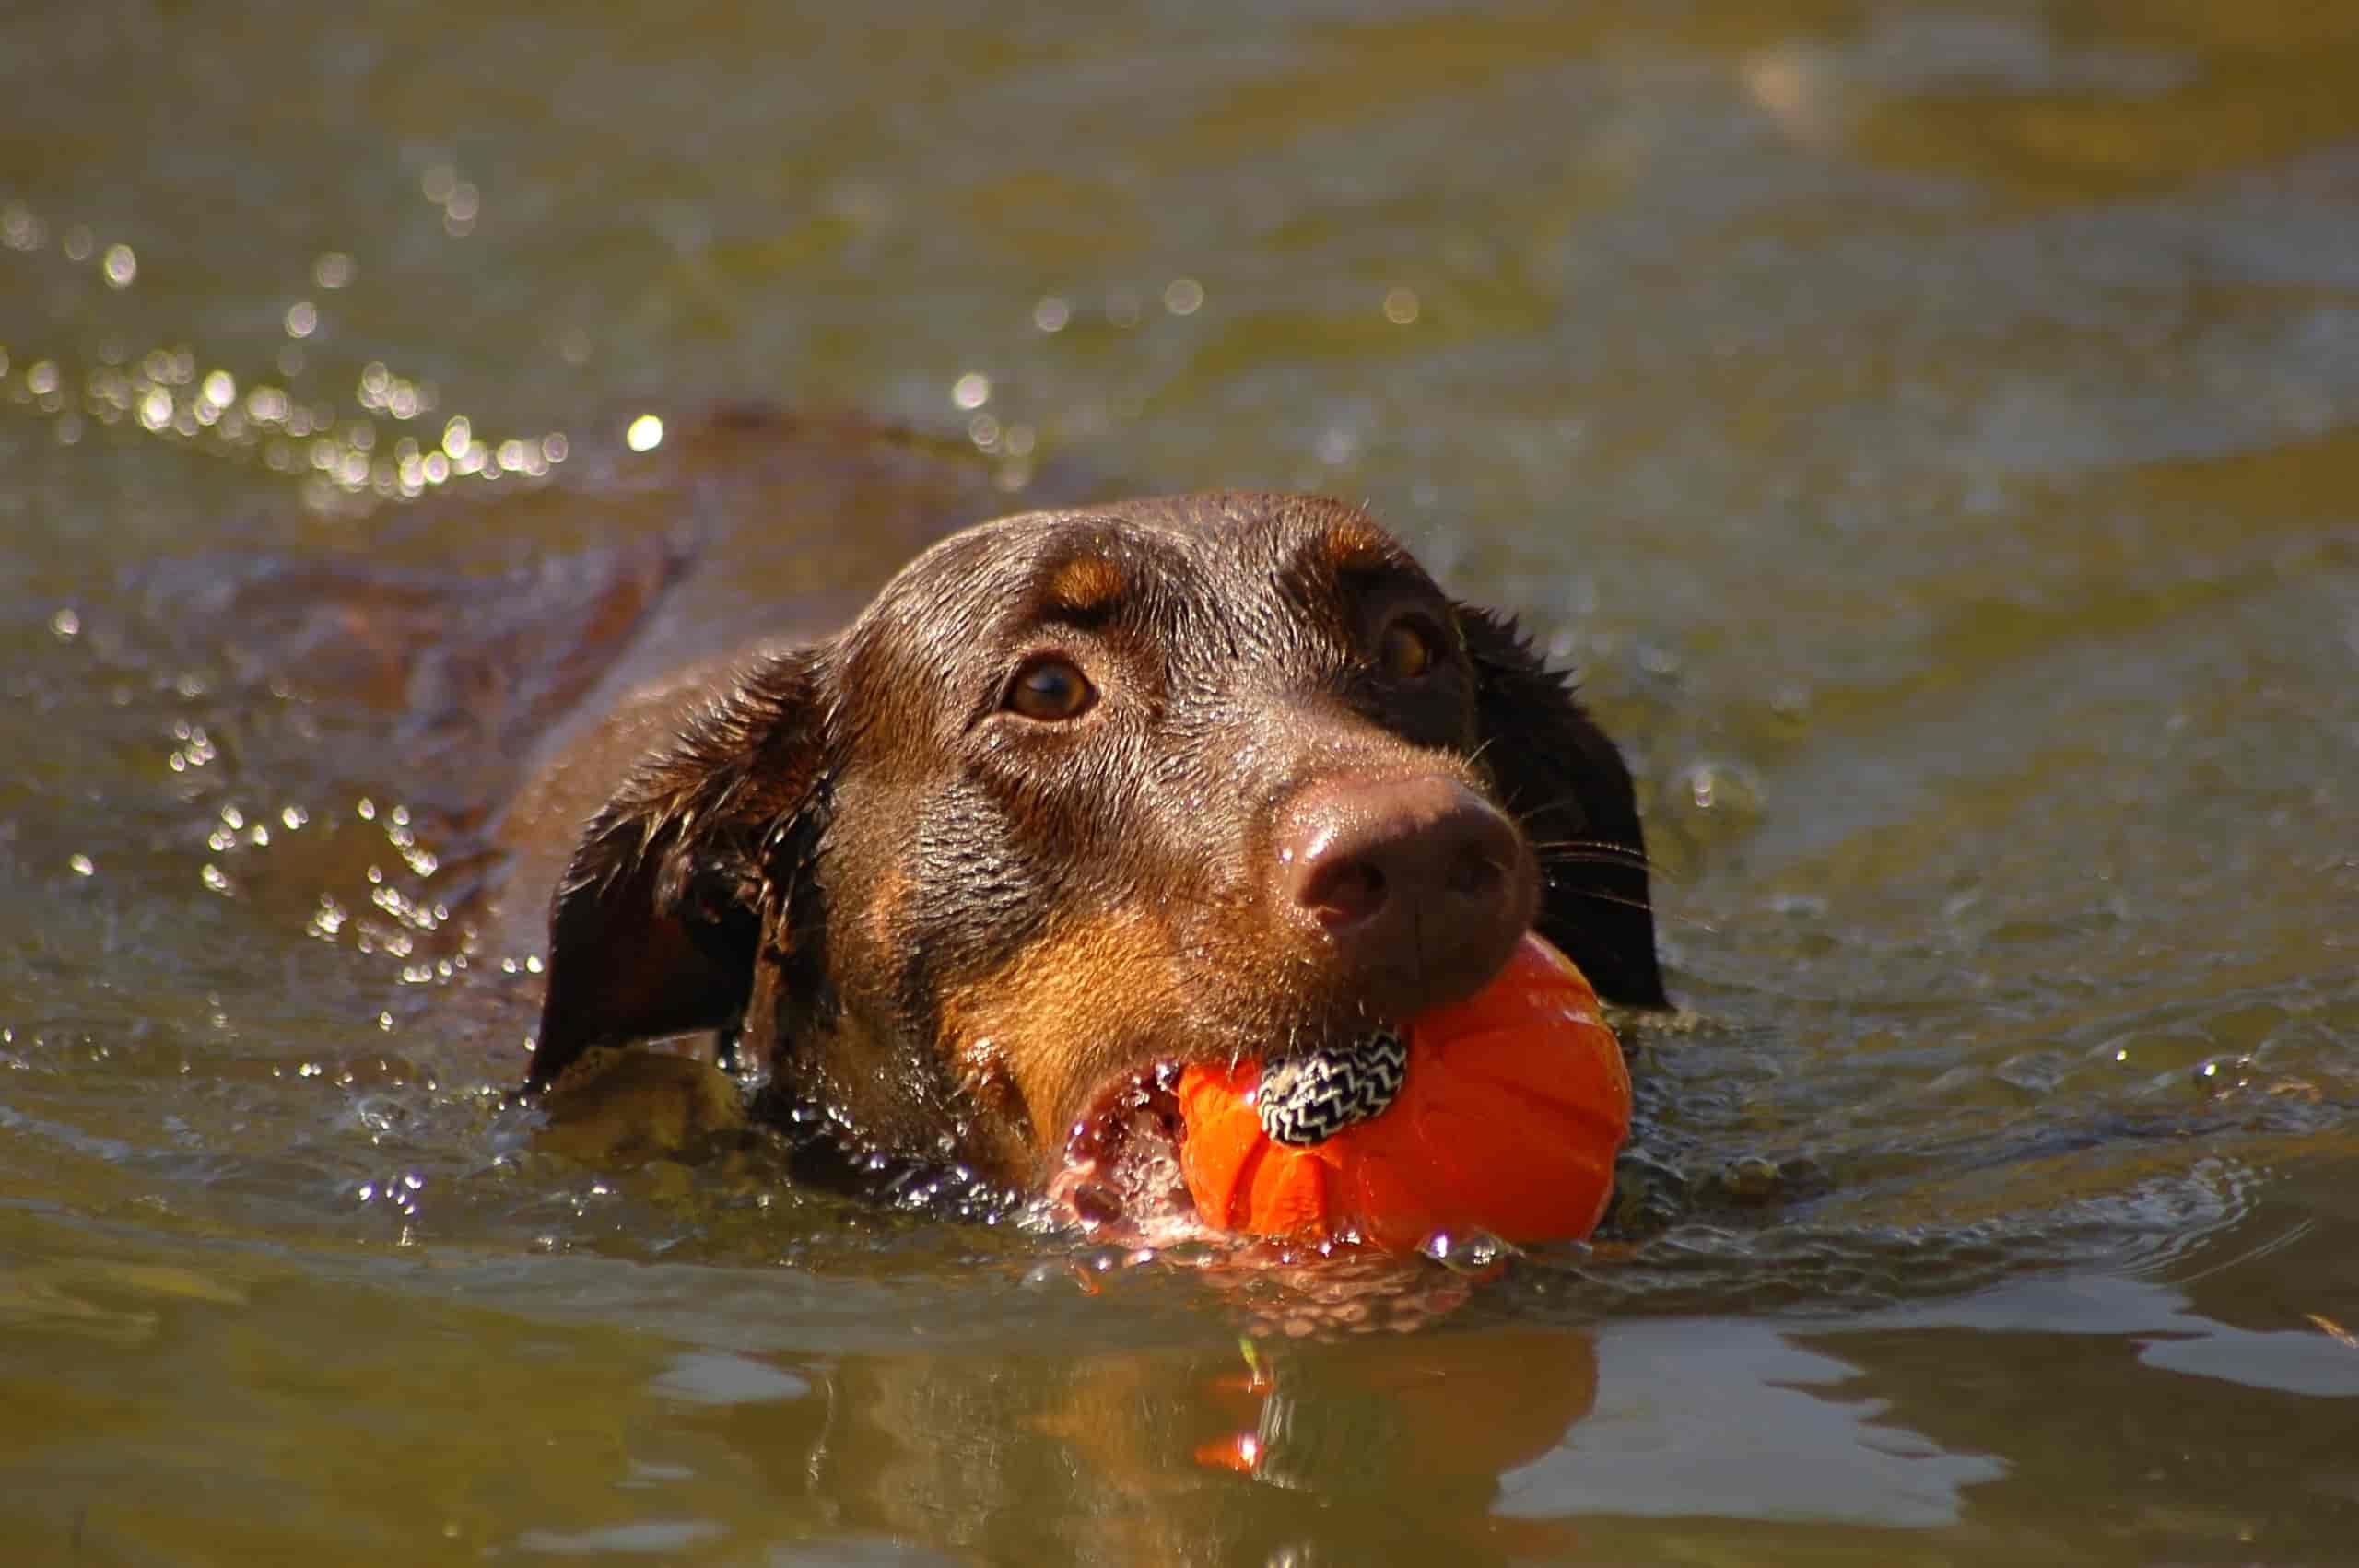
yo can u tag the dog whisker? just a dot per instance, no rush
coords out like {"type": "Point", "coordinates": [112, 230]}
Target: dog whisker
{"type": "Point", "coordinates": [1595, 858]}
{"type": "Point", "coordinates": [1645, 907]}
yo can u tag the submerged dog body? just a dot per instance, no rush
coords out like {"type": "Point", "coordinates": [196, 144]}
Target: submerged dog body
{"type": "Point", "coordinates": [1082, 795]}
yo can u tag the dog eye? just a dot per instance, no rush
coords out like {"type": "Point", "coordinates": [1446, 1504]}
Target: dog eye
{"type": "Point", "coordinates": [1405, 648]}
{"type": "Point", "coordinates": [1050, 688]}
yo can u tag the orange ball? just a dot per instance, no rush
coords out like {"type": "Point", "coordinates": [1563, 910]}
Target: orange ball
{"type": "Point", "coordinates": [1515, 1103]}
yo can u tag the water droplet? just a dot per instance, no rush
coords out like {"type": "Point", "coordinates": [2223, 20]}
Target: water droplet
{"type": "Point", "coordinates": [121, 266]}
{"type": "Point", "coordinates": [971, 390]}
{"type": "Point", "coordinates": [20, 229]}
{"type": "Point", "coordinates": [1476, 1252]}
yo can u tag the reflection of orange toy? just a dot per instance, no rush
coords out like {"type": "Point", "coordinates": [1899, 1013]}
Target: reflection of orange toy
{"type": "Point", "coordinates": [1515, 1103]}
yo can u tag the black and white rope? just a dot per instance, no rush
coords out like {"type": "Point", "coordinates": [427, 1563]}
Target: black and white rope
{"type": "Point", "coordinates": [1307, 1099]}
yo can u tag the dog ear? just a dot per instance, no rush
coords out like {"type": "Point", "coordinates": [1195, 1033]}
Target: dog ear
{"type": "Point", "coordinates": [652, 929]}
{"type": "Point", "coordinates": [1560, 776]}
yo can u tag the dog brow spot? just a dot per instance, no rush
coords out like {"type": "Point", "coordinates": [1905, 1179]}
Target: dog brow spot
{"type": "Point", "coordinates": [1085, 585]}
{"type": "Point", "coordinates": [1354, 545]}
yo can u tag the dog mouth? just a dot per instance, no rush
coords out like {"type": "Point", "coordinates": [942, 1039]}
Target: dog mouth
{"type": "Point", "coordinates": [1124, 1172]}
{"type": "Point", "coordinates": [1121, 1174]}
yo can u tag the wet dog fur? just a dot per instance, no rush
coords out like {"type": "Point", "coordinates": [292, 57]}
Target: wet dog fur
{"type": "Point", "coordinates": [1085, 789]}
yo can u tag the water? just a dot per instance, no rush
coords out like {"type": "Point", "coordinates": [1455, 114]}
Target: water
{"type": "Point", "coordinates": [1934, 434]}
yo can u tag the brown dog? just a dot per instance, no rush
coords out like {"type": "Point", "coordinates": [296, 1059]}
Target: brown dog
{"type": "Point", "coordinates": [1081, 794]}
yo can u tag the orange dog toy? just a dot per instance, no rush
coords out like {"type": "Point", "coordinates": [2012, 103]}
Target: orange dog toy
{"type": "Point", "coordinates": [1512, 1106]}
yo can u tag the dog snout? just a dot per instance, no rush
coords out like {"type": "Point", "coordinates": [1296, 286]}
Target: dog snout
{"type": "Point", "coordinates": [1417, 886]}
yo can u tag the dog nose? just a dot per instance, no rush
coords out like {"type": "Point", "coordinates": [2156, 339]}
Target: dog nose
{"type": "Point", "coordinates": [1422, 885]}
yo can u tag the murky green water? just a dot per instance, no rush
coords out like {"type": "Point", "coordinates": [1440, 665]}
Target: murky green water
{"type": "Point", "coordinates": [1934, 433]}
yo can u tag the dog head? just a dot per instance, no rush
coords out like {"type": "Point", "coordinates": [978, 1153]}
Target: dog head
{"type": "Point", "coordinates": [1082, 794]}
